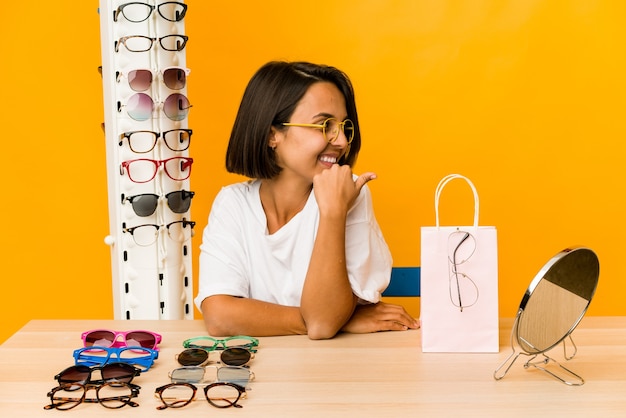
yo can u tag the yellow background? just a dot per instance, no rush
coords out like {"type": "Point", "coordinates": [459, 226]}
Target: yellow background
{"type": "Point", "coordinates": [524, 97]}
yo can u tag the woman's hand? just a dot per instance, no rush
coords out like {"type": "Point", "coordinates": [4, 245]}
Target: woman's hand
{"type": "Point", "coordinates": [336, 191]}
{"type": "Point", "coordinates": [380, 317]}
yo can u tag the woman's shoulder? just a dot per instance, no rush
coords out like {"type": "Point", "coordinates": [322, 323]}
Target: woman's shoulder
{"type": "Point", "coordinates": [244, 190]}
{"type": "Point", "coordinates": [237, 195]}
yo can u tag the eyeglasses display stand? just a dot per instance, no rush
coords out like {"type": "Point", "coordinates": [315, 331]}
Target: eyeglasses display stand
{"type": "Point", "coordinates": [147, 139]}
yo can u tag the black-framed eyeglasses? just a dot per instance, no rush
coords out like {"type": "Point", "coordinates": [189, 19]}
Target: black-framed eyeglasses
{"type": "Point", "coordinates": [140, 43]}
{"type": "Point", "coordinates": [147, 234]}
{"type": "Point", "coordinates": [112, 395]}
{"type": "Point", "coordinates": [138, 12]}
{"type": "Point", "coordinates": [330, 128]}
{"type": "Point", "coordinates": [463, 290]}
{"type": "Point", "coordinates": [218, 394]}
{"type": "Point", "coordinates": [145, 204]}
{"type": "Point", "coordinates": [142, 142]}
{"type": "Point", "coordinates": [81, 374]}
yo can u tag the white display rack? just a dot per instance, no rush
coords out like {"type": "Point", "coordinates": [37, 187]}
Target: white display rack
{"type": "Point", "coordinates": [152, 281]}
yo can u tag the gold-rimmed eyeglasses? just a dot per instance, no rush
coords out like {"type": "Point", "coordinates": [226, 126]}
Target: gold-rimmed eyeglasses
{"type": "Point", "coordinates": [330, 128]}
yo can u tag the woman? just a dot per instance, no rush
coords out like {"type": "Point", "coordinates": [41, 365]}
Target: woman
{"type": "Point", "coordinates": [296, 250]}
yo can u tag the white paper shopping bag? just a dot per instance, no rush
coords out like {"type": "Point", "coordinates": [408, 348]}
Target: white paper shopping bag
{"type": "Point", "coordinates": [459, 284]}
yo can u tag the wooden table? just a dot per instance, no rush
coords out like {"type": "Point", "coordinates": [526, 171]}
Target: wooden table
{"type": "Point", "coordinates": [382, 375]}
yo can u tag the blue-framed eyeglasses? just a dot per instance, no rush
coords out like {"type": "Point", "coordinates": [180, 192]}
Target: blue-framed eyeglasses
{"type": "Point", "coordinates": [141, 357]}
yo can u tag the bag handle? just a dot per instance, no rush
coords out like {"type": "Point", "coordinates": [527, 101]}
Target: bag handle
{"type": "Point", "coordinates": [440, 187]}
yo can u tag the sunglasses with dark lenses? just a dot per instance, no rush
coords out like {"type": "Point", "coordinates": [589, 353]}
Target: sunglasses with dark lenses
{"type": "Point", "coordinates": [108, 338]}
{"type": "Point", "coordinates": [218, 394]}
{"type": "Point", "coordinates": [240, 376]}
{"type": "Point", "coordinates": [137, 12]}
{"type": "Point", "coordinates": [142, 142]}
{"type": "Point", "coordinates": [140, 107]}
{"type": "Point", "coordinates": [210, 344]}
{"type": "Point", "coordinates": [81, 374]}
{"type": "Point", "coordinates": [112, 395]}
{"type": "Point", "coordinates": [140, 80]}
{"type": "Point", "coordinates": [146, 204]}
{"type": "Point", "coordinates": [234, 356]}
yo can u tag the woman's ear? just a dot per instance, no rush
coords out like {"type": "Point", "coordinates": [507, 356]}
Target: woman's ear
{"type": "Point", "coordinates": [272, 140]}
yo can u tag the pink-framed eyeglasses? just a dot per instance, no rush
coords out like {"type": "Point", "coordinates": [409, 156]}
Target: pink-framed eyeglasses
{"type": "Point", "coordinates": [142, 170]}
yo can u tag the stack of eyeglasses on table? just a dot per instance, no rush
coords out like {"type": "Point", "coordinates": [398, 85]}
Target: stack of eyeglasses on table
{"type": "Point", "coordinates": [118, 357]}
{"type": "Point", "coordinates": [223, 385]}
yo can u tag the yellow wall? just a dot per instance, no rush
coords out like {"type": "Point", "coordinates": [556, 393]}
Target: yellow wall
{"type": "Point", "coordinates": [525, 97]}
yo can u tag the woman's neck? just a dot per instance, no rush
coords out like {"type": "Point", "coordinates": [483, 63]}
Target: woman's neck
{"type": "Point", "coordinates": [281, 202]}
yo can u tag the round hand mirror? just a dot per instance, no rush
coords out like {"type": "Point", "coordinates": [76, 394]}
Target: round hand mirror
{"type": "Point", "coordinates": [553, 305]}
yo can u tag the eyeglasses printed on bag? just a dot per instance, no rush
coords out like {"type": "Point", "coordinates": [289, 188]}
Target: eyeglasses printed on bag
{"type": "Point", "coordinates": [463, 290]}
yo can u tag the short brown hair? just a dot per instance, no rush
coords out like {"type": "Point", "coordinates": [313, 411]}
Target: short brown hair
{"type": "Point", "coordinates": [269, 100]}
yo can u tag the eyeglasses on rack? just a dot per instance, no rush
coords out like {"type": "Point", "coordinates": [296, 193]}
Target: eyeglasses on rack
{"type": "Point", "coordinates": [218, 394]}
{"type": "Point", "coordinates": [140, 106]}
{"type": "Point", "coordinates": [174, 78]}
{"type": "Point", "coordinates": [141, 43]}
{"type": "Point", "coordinates": [137, 12]}
{"type": "Point", "coordinates": [142, 170]}
{"type": "Point", "coordinates": [112, 395]}
{"type": "Point", "coordinates": [147, 234]}
{"type": "Point", "coordinates": [146, 204]}
{"type": "Point", "coordinates": [142, 142]}
{"type": "Point", "coordinates": [109, 338]}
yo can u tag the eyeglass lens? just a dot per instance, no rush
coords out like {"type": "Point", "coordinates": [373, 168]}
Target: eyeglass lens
{"type": "Point", "coordinates": [138, 12]}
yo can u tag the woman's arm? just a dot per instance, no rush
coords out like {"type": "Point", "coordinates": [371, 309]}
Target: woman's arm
{"type": "Point", "coordinates": [327, 299]}
{"type": "Point", "coordinates": [229, 315]}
